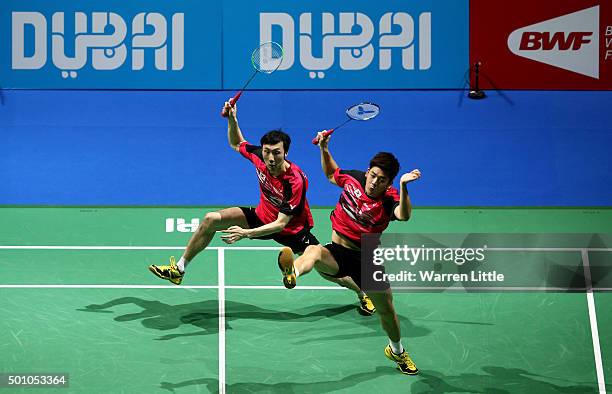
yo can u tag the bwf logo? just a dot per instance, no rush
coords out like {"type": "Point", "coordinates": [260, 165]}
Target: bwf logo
{"type": "Point", "coordinates": [354, 43]}
{"type": "Point", "coordinates": [103, 37]}
{"type": "Point", "coordinates": [570, 42]}
{"type": "Point", "coordinates": [532, 41]}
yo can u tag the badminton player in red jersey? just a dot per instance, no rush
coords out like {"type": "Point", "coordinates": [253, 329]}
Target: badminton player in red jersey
{"type": "Point", "coordinates": [366, 206]}
{"type": "Point", "coordinates": [282, 214]}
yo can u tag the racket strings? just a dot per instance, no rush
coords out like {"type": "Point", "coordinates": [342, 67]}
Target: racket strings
{"type": "Point", "coordinates": [363, 111]}
{"type": "Point", "coordinates": [267, 58]}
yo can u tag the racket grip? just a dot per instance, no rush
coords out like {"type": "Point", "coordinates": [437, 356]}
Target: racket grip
{"type": "Point", "coordinates": [235, 98]}
{"type": "Point", "coordinates": [232, 102]}
{"type": "Point", "coordinates": [315, 140]}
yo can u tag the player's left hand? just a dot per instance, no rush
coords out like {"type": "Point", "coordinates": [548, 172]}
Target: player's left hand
{"type": "Point", "coordinates": [234, 234]}
{"type": "Point", "coordinates": [410, 176]}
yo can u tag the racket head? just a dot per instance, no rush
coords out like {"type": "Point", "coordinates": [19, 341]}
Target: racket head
{"type": "Point", "coordinates": [267, 57]}
{"type": "Point", "coordinates": [363, 111]}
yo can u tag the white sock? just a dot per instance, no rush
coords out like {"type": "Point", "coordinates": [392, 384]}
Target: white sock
{"type": "Point", "coordinates": [396, 346]}
{"type": "Point", "coordinates": [182, 263]}
{"type": "Point", "coordinates": [361, 293]}
{"type": "Point", "coordinates": [295, 270]}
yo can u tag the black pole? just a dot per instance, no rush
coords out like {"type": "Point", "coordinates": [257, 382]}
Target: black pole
{"type": "Point", "coordinates": [476, 93]}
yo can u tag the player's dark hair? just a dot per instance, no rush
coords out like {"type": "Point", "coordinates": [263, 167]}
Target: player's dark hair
{"type": "Point", "coordinates": [386, 162]}
{"type": "Point", "coordinates": [273, 137]}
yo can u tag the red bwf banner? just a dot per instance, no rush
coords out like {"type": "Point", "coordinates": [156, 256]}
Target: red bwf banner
{"type": "Point", "coordinates": [545, 44]}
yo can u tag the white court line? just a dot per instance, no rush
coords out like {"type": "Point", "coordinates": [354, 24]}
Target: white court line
{"type": "Point", "coordinates": [487, 288]}
{"type": "Point", "coordinates": [94, 247]}
{"type": "Point", "coordinates": [221, 287]}
{"type": "Point", "coordinates": [221, 281]}
{"type": "Point", "coordinates": [593, 320]}
{"type": "Point", "coordinates": [72, 247]}
{"type": "Point", "coordinates": [187, 287]}
{"type": "Point", "coordinates": [274, 248]}
{"type": "Point", "coordinates": [546, 249]}
{"type": "Point", "coordinates": [272, 287]}
{"type": "Point", "coordinates": [31, 286]}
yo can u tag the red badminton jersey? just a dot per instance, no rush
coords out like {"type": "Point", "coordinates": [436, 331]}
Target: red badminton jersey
{"type": "Point", "coordinates": [286, 193]}
{"type": "Point", "coordinates": [356, 213]}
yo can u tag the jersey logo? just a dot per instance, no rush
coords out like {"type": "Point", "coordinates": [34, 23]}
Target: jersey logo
{"type": "Point", "coordinates": [353, 191]}
{"type": "Point", "coordinates": [261, 176]}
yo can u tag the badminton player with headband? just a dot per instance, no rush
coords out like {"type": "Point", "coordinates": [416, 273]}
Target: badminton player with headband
{"type": "Point", "coordinates": [266, 59]}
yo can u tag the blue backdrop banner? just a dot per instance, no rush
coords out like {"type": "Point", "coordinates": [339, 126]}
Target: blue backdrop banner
{"type": "Point", "coordinates": [353, 44]}
{"type": "Point", "coordinates": [110, 44]}
{"type": "Point", "coordinates": [188, 44]}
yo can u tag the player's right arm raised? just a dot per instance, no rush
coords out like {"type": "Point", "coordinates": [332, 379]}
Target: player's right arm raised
{"type": "Point", "coordinates": [234, 135]}
{"type": "Point", "coordinates": [327, 161]}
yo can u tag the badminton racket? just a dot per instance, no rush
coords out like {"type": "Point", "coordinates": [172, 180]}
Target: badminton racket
{"type": "Point", "coordinates": [266, 59]}
{"type": "Point", "coordinates": [361, 111]}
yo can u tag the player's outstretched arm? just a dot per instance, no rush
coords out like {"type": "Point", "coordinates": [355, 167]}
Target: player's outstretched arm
{"type": "Point", "coordinates": [234, 134]}
{"type": "Point", "coordinates": [327, 161]}
{"type": "Point", "coordinates": [236, 233]}
{"type": "Point", "coordinates": [404, 209]}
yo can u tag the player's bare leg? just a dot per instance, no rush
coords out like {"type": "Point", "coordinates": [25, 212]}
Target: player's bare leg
{"type": "Point", "coordinates": [388, 318]}
{"type": "Point", "coordinates": [366, 307]}
{"type": "Point", "coordinates": [212, 222]}
{"type": "Point", "coordinates": [383, 301]}
{"type": "Point", "coordinates": [318, 257]}
{"type": "Point", "coordinates": [205, 232]}
{"type": "Point", "coordinates": [345, 281]}
{"type": "Point", "coordinates": [314, 255]}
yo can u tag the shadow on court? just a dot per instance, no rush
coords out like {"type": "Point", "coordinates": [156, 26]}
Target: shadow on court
{"type": "Point", "coordinates": [497, 380]}
{"type": "Point", "coordinates": [372, 323]}
{"type": "Point", "coordinates": [212, 385]}
{"type": "Point", "coordinates": [157, 315]}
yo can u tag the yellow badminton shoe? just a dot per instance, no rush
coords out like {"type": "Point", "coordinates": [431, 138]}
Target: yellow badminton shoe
{"type": "Point", "coordinates": [168, 272]}
{"type": "Point", "coordinates": [404, 362]}
{"type": "Point", "coordinates": [366, 307]}
{"type": "Point", "coordinates": [285, 263]}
